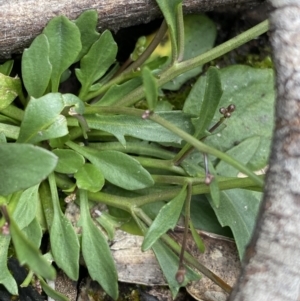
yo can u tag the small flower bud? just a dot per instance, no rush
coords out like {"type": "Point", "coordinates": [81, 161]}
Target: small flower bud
{"type": "Point", "coordinates": [180, 275]}
{"type": "Point", "coordinates": [231, 108]}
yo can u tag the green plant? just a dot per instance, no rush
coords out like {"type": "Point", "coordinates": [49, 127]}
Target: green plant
{"type": "Point", "coordinates": [97, 147]}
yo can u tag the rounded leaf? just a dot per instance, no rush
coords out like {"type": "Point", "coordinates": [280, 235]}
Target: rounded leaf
{"type": "Point", "coordinates": [68, 161]}
{"type": "Point", "coordinates": [89, 178]}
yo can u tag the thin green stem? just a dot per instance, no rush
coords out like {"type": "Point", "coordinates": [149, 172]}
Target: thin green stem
{"type": "Point", "coordinates": [148, 51]}
{"type": "Point", "coordinates": [180, 32]}
{"type": "Point", "coordinates": [187, 149]}
{"type": "Point", "coordinates": [13, 112]}
{"type": "Point", "coordinates": [186, 224]}
{"type": "Point", "coordinates": [188, 258]}
{"type": "Point", "coordinates": [205, 148]}
{"type": "Point", "coordinates": [182, 67]}
{"type": "Point", "coordinates": [177, 180]}
{"type": "Point", "coordinates": [192, 261]}
{"type": "Point", "coordinates": [10, 131]}
{"type": "Point", "coordinates": [127, 204]}
{"type": "Point", "coordinates": [185, 136]}
{"type": "Point", "coordinates": [166, 165]}
{"type": "Point", "coordinates": [141, 149]}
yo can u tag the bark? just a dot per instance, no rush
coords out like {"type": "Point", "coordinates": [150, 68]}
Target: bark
{"type": "Point", "coordinates": [22, 20]}
{"type": "Point", "coordinates": [272, 261]}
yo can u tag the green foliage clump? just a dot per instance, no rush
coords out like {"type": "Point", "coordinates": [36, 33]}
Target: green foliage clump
{"type": "Point", "coordinates": [97, 147]}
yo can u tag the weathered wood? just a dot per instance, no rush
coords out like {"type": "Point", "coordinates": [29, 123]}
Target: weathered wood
{"type": "Point", "coordinates": [272, 265]}
{"type": "Point", "coordinates": [22, 20]}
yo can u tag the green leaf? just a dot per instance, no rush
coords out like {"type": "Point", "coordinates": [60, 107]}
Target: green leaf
{"type": "Point", "coordinates": [199, 36]}
{"type": "Point", "coordinates": [6, 277]}
{"type": "Point", "coordinates": [29, 254]}
{"type": "Point", "coordinates": [7, 67]}
{"type": "Point", "coordinates": [36, 67]}
{"type": "Point", "coordinates": [204, 217]}
{"type": "Point", "coordinates": [116, 92]}
{"type": "Point", "coordinates": [214, 186]}
{"type": "Point", "coordinates": [10, 88]}
{"type": "Point", "coordinates": [166, 219]}
{"type": "Point", "coordinates": [121, 125]}
{"type": "Point", "coordinates": [150, 87]}
{"type": "Point", "coordinates": [86, 24]}
{"type": "Point", "coordinates": [51, 292]}
{"type": "Point", "coordinates": [65, 45]}
{"type": "Point", "coordinates": [110, 223]}
{"type": "Point", "coordinates": [26, 207]}
{"type": "Point", "coordinates": [33, 232]}
{"type": "Point", "coordinates": [243, 152]}
{"type": "Point", "coordinates": [9, 131]}
{"type": "Point", "coordinates": [96, 252]}
{"type": "Point", "coordinates": [96, 62]}
{"type": "Point", "coordinates": [64, 242]}
{"type": "Point", "coordinates": [23, 166]}
{"type": "Point", "coordinates": [68, 161]}
{"type": "Point", "coordinates": [42, 119]}
{"type": "Point", "coordinates": [252, 92]}
{"type": "Point", "coordinates": [169, 10]}
{"type": "Point", "coordinates": [89, 177]}
{"type": "Point", "coordinates": [71, 100]}
{"type": "Point", "coordinates": [238, 208]}
{"type": "Point", "coordinates": [211, 100]}
{"type": "Point", "coordinates": [197, 238]}
{"type": "Point", "coordinates": [169, 262]}
{"type": "Point", "coordinates": [118, 168]}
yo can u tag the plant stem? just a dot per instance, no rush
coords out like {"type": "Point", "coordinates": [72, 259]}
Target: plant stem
{"type": "Point", "coordinates": [205, 148]}
{"type": "Point", "coordinates": [192, 261]}
{"type": "Point", "coordinates": [182, 67]}
{"type": "Point", "coordinates": [13, 112]}
{"type": "Point", "coordinates": [146, 54]}
{"type": "Point", "coordinates": [180, 32]}
{"type": "Point", "coordinates": [189, 259]}
{"type": "Point", "coordinates": [187, 149]}
{"type": "Point", "coordinates": [186, 224]}
{"type": "Point", "coordinates": [160, 164]}
{"type": "Point", "coordinates": [135, 148]}
{"type": "Point", "coordinates": [200, 146]}
{"type": "Point", "coordinates": [127, 204]}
